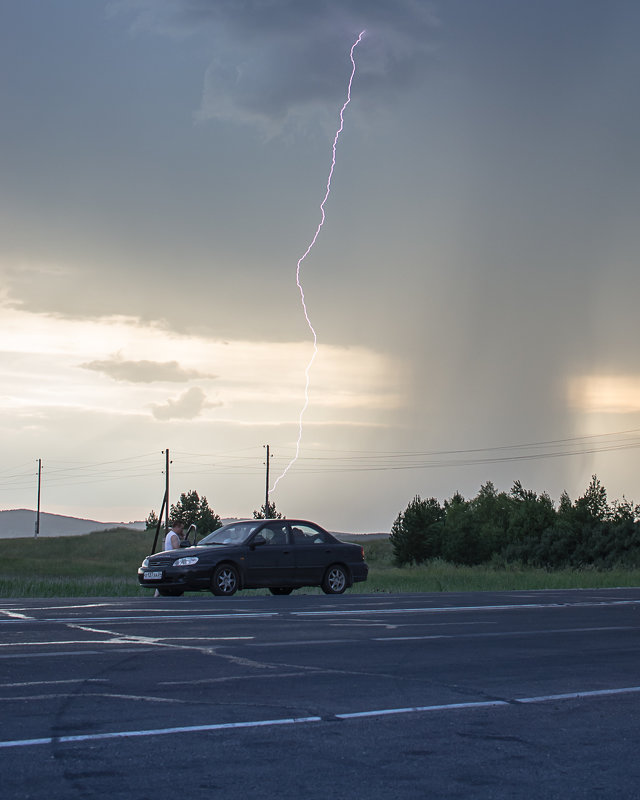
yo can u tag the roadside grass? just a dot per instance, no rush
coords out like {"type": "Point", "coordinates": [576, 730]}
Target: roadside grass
{"type": "Point", "coordinates": [100, 564]}
{"type": "Point", "coordinates": [104, 564]}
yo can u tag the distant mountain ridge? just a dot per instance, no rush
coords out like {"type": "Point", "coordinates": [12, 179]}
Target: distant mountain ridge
{"type": "Point", "coordinates": [21, 522]}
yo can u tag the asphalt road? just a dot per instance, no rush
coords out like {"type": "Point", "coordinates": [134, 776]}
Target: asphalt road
{"type": "Point", "coordinates": [475, 695]}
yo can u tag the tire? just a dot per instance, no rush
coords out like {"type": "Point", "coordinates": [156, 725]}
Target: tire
{"type": "Point", "coordinates": [170, 592]}
{"type": "Point", "coordinates": [225, 580]}
{"type": "Point", "coordinates": [335, 580]}
{"type": "Point", "coordinates": [280, 589]}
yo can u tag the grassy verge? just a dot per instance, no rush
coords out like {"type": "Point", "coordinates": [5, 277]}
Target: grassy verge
{"type": "Point", "coordinates": [104, 564]}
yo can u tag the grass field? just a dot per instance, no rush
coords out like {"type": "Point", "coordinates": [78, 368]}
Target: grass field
{"type": "Point", "coordinates": [104, 564]}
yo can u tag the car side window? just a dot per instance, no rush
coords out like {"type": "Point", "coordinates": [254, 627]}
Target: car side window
{"type": "Point", "coordinates": [274, 534]}
{"type": "Point", "coordinates": [305, 534]}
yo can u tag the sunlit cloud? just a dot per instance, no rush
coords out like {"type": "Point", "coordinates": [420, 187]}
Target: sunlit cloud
{"type": "Point", "coordinates": [47, 363]}
{"type": "Point", "coordinates": [608, 394]}
{"type": "Point", "coordinates": [187, 406]}
{"type": "Point", "coordinates": [144, 371]}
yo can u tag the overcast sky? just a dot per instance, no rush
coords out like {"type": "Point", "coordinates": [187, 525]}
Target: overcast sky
{"type": "Point", "coordinates": [474, 287]}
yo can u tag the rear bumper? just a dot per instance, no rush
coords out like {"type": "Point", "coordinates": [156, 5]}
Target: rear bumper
{"type": "Point", "coordinates": [359, 572]}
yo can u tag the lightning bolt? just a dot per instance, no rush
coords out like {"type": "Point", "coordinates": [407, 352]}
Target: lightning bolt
{"type": "Point", "coordinates": [307, 372]}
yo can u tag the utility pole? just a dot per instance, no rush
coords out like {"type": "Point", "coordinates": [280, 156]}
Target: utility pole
{"type": "Point", "coordinates": [38, 511]}
{"type": "Point", "coordinates": [166, 489]}
{"type": "Point", "coordinates": [266, 491]}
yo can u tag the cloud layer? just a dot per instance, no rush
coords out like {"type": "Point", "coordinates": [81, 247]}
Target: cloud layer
{"type": "Point", "coordinates": [144, 371]}
{"type": "Point", "coordinates": [275, 61]}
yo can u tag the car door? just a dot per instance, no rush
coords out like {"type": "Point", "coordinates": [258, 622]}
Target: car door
{"type": "Point", "coordinates": [269, 560]}
{"type": "Point", "coordinates": [314, 550]}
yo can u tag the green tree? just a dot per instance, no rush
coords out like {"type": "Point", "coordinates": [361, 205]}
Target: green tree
{"type": "Point", "coordinates": [267, 511]}
{"type": "Point", "coordinates": [461, 542]}
{"type": "Point", "coordinates": [192, 509]}
{"type": "Point", "coordinates": [593, 505]}
{"type": "Point", "coordinates": [531, 515]}
{"type": "Point", "coordinates": [151, 521]}
{"type": "Point", "coordinates": [415, 534]}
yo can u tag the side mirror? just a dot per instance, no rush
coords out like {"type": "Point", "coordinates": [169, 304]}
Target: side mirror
{"type": "Point", "coordinates": [185, 543]}
{"type": "Point", "coordinates": [259, 540]}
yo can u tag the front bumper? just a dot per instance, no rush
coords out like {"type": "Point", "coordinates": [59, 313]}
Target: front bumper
{"type": "Point", "coordinates": [185, 578]}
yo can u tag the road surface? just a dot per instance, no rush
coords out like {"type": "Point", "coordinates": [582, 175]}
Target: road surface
{"type": "Point", "coordinates": [470, 695]}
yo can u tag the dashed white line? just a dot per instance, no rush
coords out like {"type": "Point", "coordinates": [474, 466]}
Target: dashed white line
{"type": "Point", "coordinates": [219, 726]}
{"type": "Point", "coordinates": [160, 731]}
{"type": "Point", "coordinates": [579, 695]}
{"type": "Point", "coordinates": [500, 634]}
{"type": "Point", "coordinates": [442, 609]}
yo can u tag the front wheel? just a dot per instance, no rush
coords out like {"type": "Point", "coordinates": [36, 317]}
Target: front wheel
{"type": "Point", "coordinates": [335, 580]}
{"type": "Point", "coordinates": [280, 589]}
{"type": "Point", "coordinates": [225, 580]}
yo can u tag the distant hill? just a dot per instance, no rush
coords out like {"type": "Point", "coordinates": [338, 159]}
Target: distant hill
{"type": "Point", "coordinates": [21, 522]}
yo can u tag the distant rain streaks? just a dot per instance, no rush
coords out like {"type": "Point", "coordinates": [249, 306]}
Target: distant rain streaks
{"type": "Point", "coordinates": [307, 372]}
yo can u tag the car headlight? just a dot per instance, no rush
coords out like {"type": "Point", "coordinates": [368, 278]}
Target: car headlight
{"type": "Point", "coordinates": [145, 563]}
{"type": "Point", "coordinates": [186, 562]}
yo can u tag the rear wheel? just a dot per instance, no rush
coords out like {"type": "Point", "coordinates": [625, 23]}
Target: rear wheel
{"type": "Point", "coordinates": [225, 580]}
{"type": "Point", "coordinates": [171, 592]}
{"type": "Point", "coordinates": [280, 589]}
{"type": "Point", "coordinates": [335, 580]}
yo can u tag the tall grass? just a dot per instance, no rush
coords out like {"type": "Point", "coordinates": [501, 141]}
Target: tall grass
{"type": "Point", "coordinates": [104, 564]}
{"type": "Point", "coordinates": [440, 576]}
{"type": "Point", "coordinates": [100, 564]}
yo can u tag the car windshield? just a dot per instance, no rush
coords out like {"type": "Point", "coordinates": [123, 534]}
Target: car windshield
{"type": "Point", "coordinates": [234, 533]}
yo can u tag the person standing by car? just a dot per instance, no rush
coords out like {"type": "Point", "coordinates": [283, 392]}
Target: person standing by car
{"type": "Point", "coordinates": [174, 535]}
{"type": "Point", "coordinates": [172, 539]}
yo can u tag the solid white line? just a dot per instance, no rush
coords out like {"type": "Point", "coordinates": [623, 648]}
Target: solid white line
{"type": "Point", "coordinates": [91, 737]}
{"type": "Point", "coordinates": [156, 618]}
{"type": "Point", "coordinates": [65, 653]}
{"type": "Point", "coordinates": [53, 683]}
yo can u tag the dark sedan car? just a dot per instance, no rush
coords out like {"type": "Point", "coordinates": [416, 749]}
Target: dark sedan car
{"type": "Point", "coordinates": [280, 554]}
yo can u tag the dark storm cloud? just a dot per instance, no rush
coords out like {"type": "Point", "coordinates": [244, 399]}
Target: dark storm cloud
{"type": "Point", "coordinates": [273, 60]}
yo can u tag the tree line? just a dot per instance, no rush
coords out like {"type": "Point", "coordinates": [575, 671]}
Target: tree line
{"type": "Point", "coordinates": [191, 509]}
{"type": "Point", "coordinates": [522, 527]}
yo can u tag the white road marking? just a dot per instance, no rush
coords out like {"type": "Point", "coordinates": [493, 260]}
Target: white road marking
{"type": "Point", "coordinates": [138, 618]}
{"type": "Point", "coordinates": [15, 615]}
{"type": "Point", "coordinates": [67, 653]}
{"type": "Point", "coordinates": [65, 696]}
{"type": "Point", "coordinates": [442, 609]}
{"type": "Point", "coordinates": [381, 712]}
{"type": "Point", "coordinates": [498, 634]}
{"type": "Point", "coordinates": [545, 698]}
{"type": "Point", "coordinates": [161, 731]}
{"type": "Point", "coordinates": [92, 737]}
{"type": "Point", "coordinates": [157, 615]}
{"type": "Point", "coordinates": [174, 642]}
{"type": "Point", "coordinates": [53, 683]}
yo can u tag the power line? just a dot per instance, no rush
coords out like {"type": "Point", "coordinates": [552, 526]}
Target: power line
{"type": "Point", "coordinates": [249, 461]}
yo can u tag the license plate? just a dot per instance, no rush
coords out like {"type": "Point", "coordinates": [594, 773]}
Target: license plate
{"type": "Point", "coordinates": [153, 576]}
